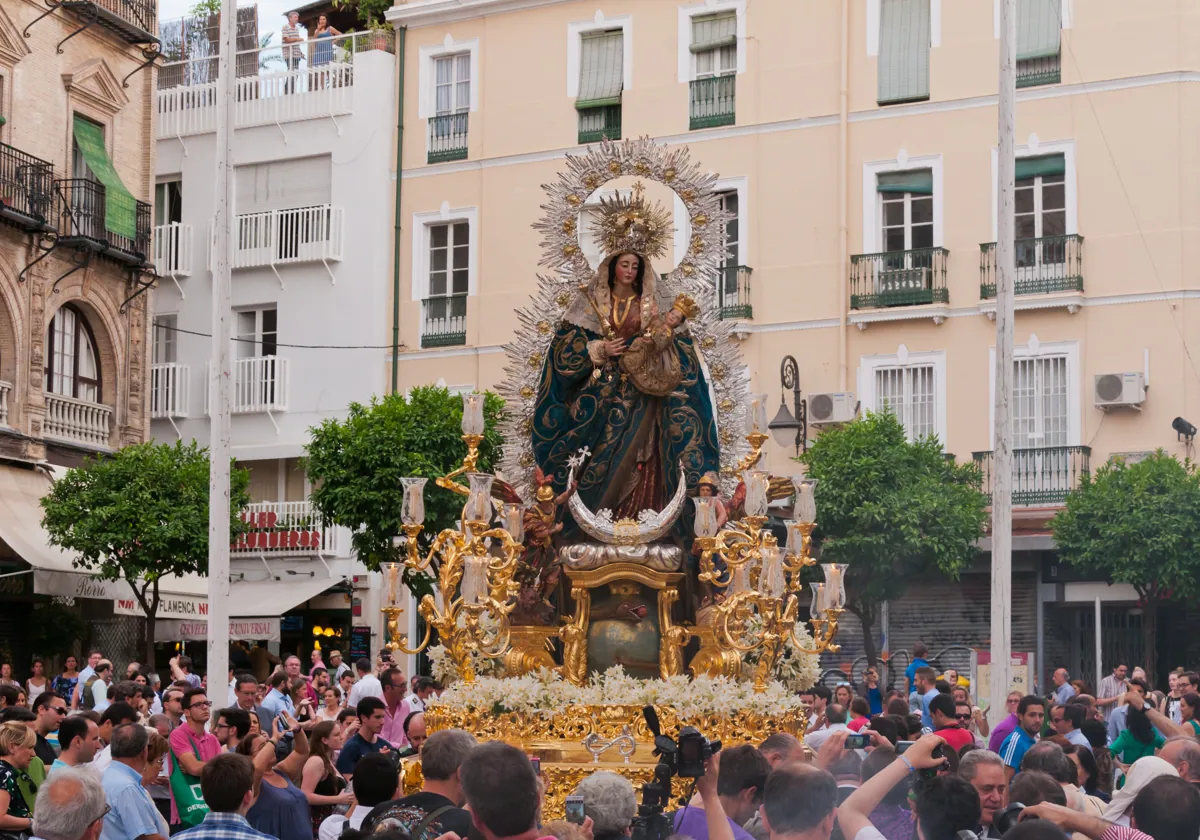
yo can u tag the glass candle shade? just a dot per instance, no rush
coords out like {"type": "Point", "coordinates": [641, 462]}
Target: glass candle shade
{"type": "Point", "coordinates": [479, 498]}
{"type": "Point", "coordinates": [391, 584]}
{"type": "Point", "coordinates": [512, 519]}
{"type": "Point", "coordinates": [740, 580]}
{"type": "Point", "coordinates": [472, 422]}
{"type": "Point", "coordinates": [757, 483]}
{"type": "Point", "coordinates": [806, 500]}
{"type": "Point", "coordinates": [771, 580]}
{"type": "Point", "coordinates": [756, 414]}
{"type": "Point", "coordinates": [474, 581]}
{"type": "Point", "coordinates": [817, 610]}
{"type": "Point", "coordinates": [795, 539]}
{"type": "Point", "coordinates": [412, 511]}
{"type": "Point", "coordinates": [835, 585]}
{"type": "Point", "coordinates": [706, 516]}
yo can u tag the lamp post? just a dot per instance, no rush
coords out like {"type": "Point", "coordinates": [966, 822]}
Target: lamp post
{"type": "Point", "coordinates": [788, 428]}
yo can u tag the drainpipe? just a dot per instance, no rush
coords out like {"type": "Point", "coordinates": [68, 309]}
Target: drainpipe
{"type": "Point", "coordinates": [401, 32]}
{"type": "Point", "coordinates": [843, 204]}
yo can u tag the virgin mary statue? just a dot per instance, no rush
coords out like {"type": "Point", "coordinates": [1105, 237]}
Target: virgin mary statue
{"type": "Point", "coordinates": [623, 378]}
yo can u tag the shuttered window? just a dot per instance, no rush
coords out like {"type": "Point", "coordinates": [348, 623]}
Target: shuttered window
{"type": "Point", "coordinates": [1039, 407]}
{"type": "Point", "coordinates": [284, 184]}
{"type": "Point", "coordinates": [714, 43]}
{"type": "Point", "coordinates": [908, 391]}
{"type": "Point", "coordinates": [601, 69]}
{"type": "Point", "coordinates": [903, 51]}
{"type": "Point", "coordinates": [906, 209]}
{"type": "Point", "coordinates": [1038, 28]}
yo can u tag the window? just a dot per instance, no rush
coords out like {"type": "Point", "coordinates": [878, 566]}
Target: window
{"type": "Point", "coordinates": [165, 339]}
{"type": "Point", "coordinates": [168, 202]}
{"type": "Point", "coordinates": [1040, 415]}
{"type": "Point", "coordinates": [729, 282]}
{"type": "Point", "coordinates": [908, 391]}
{"type": "Point", "coordinates": [1039, 29]}
{"type": "Point", "coordinates": [906, 210]}
{"type": "Point", "coordinates": [1041, 211]}
{"type": "Point", "coordinates": [452, 88]}
{"type": "Point", "coordinates": [449, 270]}
{"type": "Point", "coordinates": [71, 365]}
{"type": "Point", "coordinates": [903, 64]}
{"type": "Point", "coordinates": [601, 82]}
{"type": "Point", "coordinates": [714, 44]}
{"type": "Point", "coordinates": [257, 333]}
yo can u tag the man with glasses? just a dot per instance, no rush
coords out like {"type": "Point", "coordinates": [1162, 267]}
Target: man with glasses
{"type": "Point", "coordinates": [70, 806]}
{"type": "Point", "coordinates": [233, 725]}
{"type": "Point", "coordinates": [246, 693]}
{"type": "Point", "coordinates": [132, 814]}
{"type": "Point", "coordinates": [50, 710]}
{"type": "Point", "coordinates": [950, 721]}
{"type": "Point", "coordinates": [1005, 727]}
{"type": "Point", "coordinates": [192, 745]}
{"type": "Point", "coordinates": [395, 710]}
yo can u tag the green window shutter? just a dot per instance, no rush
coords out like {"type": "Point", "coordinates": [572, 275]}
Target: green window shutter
{"type": "Point", "coordinates": [1045, 165]}
{"type": "Point", "coordinates": [1038, 28]}
{"type": "Point", "coordinates": [918, 181]}
{"type": "Point", "coordinates": [903, 50]}
{"type": "Point", "coordinates": [601, 69]}
{"type": "Point", "coordinates": [120, 209]}
{"type": "Point", "coordinates": [712, 31]}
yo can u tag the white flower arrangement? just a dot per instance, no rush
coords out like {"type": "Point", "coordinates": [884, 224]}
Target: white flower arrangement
{"type": "Point", "coordinates": [442, 668]}
{"type": "Point", "coordinates": [546, 694]}
{"type": "Point", "coordinates": [795, 669]}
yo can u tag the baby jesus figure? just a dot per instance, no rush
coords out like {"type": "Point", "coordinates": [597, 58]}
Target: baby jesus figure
{"type": "Point", "coordinates": [651, 361]}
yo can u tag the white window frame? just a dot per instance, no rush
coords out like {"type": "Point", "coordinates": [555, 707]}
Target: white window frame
{"type": "Point", "coordinates": [173, 317]}
{"type": "Point", "coordinates": [903, 357]}
{"type": "Point", "coordinates": [874, 17]}
{"type": "Point", "coordinates": [600, 23]}
{"type": "Point", "coordinates": [1037, 148]}
{"type": "Point", "coordinates": [451, 245]}
{"type": "Point", "coordinates": [687, 59]}
{"type": "Point", "coordinates": [427, 97]}
{"type": "Point", "coordinates": [1035, 349]}
{"type": "Point", "coordinates": [258, 330]}
{"type": "Point", "coordinates": [1065, 16]}
{"type": "Point", "coordinates": [880, 200]}
{"type": "Point", "coordinates": [454, 57]}
{"type": "Point", "coordinates": [421, 224]}
{"type": "Point", "coordinates": [872, 206]}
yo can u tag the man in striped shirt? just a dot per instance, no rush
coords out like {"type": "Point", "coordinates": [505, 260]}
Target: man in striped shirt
{"type": "Point", "coordinates": [1031, 714]}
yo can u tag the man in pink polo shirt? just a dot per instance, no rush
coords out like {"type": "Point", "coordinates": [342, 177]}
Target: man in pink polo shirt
{"type": "Point", "coordinates": [192, 745]}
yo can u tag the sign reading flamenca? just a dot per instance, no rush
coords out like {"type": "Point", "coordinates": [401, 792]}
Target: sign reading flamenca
{"type": "Point", "coordinates": [270, 532]}
{"type": "Point", "coordinates": [169, 606]}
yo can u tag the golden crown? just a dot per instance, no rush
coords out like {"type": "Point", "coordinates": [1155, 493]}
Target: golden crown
{"type": "Point", "coordinates": [686, 305]}
{"type": "Point", "coordinates": [631, 225]}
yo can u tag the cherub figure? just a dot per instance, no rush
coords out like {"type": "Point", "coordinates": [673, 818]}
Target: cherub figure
{"type": "Point", "coordinates": [709, 488]}
{"type": "Point", "coordinates": [540, 570]}
{"type": "Point", "coordinates": [651, 360]}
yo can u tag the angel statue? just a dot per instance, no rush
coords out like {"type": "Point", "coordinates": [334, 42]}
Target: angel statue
{"type": "Point", "coordinates": [623, 378]}
{"type": "Point", "coordinates": [539, 570]}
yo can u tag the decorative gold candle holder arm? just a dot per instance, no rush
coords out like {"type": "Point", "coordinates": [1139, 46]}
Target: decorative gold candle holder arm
{"type": "Point", "coordinates": [469, 464]}
{"type": "Point", "coordinates": [824, 631]}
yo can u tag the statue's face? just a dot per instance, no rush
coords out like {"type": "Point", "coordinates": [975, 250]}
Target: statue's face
{"type": "Point", "coordinates": [705, 490]}
{"type": "Point", "coordinates": [627, 268]}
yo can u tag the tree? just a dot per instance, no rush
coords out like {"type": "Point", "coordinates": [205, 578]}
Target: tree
{"type": "Point", "coordinates": [1139, 524]}
{"type": "Point", "coordinates": [356, 465]}
{"type": "Point", "coordinates": [139, 514]}
{"type": "Point", "coordinates": [892, 510]}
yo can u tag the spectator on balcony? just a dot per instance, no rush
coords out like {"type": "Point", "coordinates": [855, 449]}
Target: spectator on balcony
{"type": "Point", "coordinates": [292, 51]}
{"type": "Point", "coordinates": [323, 50]}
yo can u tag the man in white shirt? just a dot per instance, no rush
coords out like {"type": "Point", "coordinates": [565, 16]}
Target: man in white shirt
{"type": "Point", "coordinates": [94, 657]}
{"type": "Point", "coordinates": [376, 780]}
{"type": "Point", "coordinates": [422, 689]}
{"type": "Point", "coordinates": [835, 717]}
{"type": "Point", "coordinates": [368, 684]}
{"type": "Point", "coordinates": [99, 687]}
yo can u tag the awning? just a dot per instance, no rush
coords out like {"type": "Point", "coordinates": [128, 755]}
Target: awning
{"type": "Point", "coordinates": [120, 209]}
{"type": "Point", "coordinates": [274, 597]}
{"type": "Point", "coordinates": [601, 69]}
{"type": "Point", "coordinates": [21, 528]}
{"type": "Point", "coordinates": [191, 630]}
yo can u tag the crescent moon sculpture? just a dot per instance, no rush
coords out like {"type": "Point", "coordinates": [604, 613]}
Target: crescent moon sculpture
{"type": "Point", "coordinates": [648, 527]}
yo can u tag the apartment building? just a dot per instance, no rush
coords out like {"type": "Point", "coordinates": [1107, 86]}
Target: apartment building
{"type": "Point", "coordinates": [855, 143]}
{"type": "Point", "coordinates": [313, 149]}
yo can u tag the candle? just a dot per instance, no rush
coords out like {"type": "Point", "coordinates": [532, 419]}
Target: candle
{"type": "Point", "coordinates": [391, 574]}
{"type": "Point", "coordinates": [479, 498]}
{"type": "Point", "coordinates": [472, 421]}
{"type": "Point", "coordinates": [474, 582]}
{"type": "Point", "coordinates": [795, 539]}
{"type": "Point", "coordinates": [817, 610]}
{"type": "Point", "coordinates": [835, 585]}
{"type": "Point", "coordinates": [706, 516]}
{"type": "Point", "coordinates": [757, 484]}
{"type": "Point", "coordinates": [756, 414]}
{"type": "Point", "coordinates": [806, 501]}
{"type": "Point", "coordinates": [513, 521]}
{"type": "Point", "coordinates": [771, 581]}
{"type": "Point", "coordinates": [412, 510]}
{"type": "Point", "coordinates": [740, 581]}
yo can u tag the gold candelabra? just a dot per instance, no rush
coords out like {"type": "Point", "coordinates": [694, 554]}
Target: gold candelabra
{"type": "Point", "coordinates": [476, 564]}
{"type": "Point", "coordinates": [761, 579]}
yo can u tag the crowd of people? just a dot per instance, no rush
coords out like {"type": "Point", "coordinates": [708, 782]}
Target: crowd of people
{"type": "Point", "coordinates": [317, 753]}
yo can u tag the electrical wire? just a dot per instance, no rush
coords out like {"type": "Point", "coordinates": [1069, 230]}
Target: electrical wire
{"type": "Point", "coordinates": [280, 343]}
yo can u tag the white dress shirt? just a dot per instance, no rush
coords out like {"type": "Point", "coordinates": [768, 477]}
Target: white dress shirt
{"type": "Point", "coordinates": [368, 686]}
{"type": "Point", "coordinates": [814, 740]}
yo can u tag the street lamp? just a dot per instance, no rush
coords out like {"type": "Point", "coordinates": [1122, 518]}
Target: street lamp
{"type": "Point", "coordinates": [790, 429]}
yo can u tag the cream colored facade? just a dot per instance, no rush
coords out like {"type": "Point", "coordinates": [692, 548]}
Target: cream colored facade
{"type": "Point", "coordinates": [806, 166]}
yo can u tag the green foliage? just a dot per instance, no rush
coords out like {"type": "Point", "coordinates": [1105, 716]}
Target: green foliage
{"type": "Point", "coordinates": [891, 509]}
{"type": "Point", "coordinates": [205, 8]}
{"type": "Point", "coordinates": [139, 514]}
{"type": "Point", "coordinates": [1137, 523]}
{"type": "Point", "coordinates": [356, 464]}
{"type": "Point", "coordinates": [370, 12]}
{"type": "Point", "coordinates": [54, 630]}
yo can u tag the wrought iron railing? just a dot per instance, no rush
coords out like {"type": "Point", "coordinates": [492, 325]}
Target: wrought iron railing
{"type": "Point", "coordinates": [26, 185]}
{"type": "Point", "coordinates": [444, 321]}
{"type": "Point", "coordinates": [1046, 70]}
{"type": "Point", "coordinates": [82, 208]}
{"type": "Point", "coordinates": [734, 292]}
{"type": "Point", "coordinates": [597, 123]}
{"type": "Point", "coordinates": [1044, 265]}
{"type": "Point", "coordinates": [447, 137]}
{"type": "Point", "coordinates": [142, 15]}
{"type": "Point", "coordinates": [713, 102]}
{"type": "Point", "coordinates": [1041, 476]}
{"type": "Point", "coordinates": [898, 278]}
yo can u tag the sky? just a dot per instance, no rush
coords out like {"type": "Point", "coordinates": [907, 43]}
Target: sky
{"type": "Point", "coordinates": [270, 12]}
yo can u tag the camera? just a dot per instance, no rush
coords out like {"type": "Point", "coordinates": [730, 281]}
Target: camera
{"type": "Point", "coordinates": [857, 742]}
{"type": "Point", "coordinates": [685, 758]}
{"type": "Point", "coordinates": [1007, 817]}
{"type": "Point", "coordinates": [574, 809]}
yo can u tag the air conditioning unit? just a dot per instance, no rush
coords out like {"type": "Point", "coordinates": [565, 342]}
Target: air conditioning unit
{"type": "Point", "coordinates": [831, 408]}
{"type": "Point", "coordinates": [1117, 390]}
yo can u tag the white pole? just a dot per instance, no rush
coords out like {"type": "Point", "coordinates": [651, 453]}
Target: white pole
{"type": "Point", "coordinates": [1099, 662]}
{"type": "Point", "coordinates": [1002, 461]}
{"type": "Point", "coordinates": [219, 382]}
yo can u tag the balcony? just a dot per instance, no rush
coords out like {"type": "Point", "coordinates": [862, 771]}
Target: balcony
{"type": "Point", "coordinates": [133, 21]}
{"type": "Point", "coordinates": [1047, 265]}
{"type": "Point", "coordinates": [284, 237]}
{"type": "Point", "coordinates": [734, 292]}
{"type": "Point", "coordinates": [1042, 476]}
{"type": "Point", "coordinates": [77, 421]}
{"type": "Point", "coordinates": [5, 390]}
{"type": "Point", "coordinates": [271, 87]}
{"type": "Point", "coordinates": [898, 278]}
{"type": "Point", "coordinates": [1045, 70]}
{"type": "Point", "coordinates": [260, 385]}
{"type": "Point", "coordinates": [444, 321]}
{"type": "Point", "coordinates": [172, 250]}
{"type": "Point", "coordinates": [169, 391]}
{"type": "Point", "coordinates": [82, 211]}
{"type": "Point", "coordinates": [595, 124]}
{"type": "Point", "coordinates": [712, 102]}
{"type": "Point", "coordinates": [447, 138]}
{"type": "Point", "coordinates": [289, 529]}
{"type": "Point", "coordinates": [26, 189]}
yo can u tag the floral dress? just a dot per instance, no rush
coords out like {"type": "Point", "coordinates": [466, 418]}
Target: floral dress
{"type": "Point", "coordinates": [64, 686]}
{"type": "Point", "coordinates": [9, 783]}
